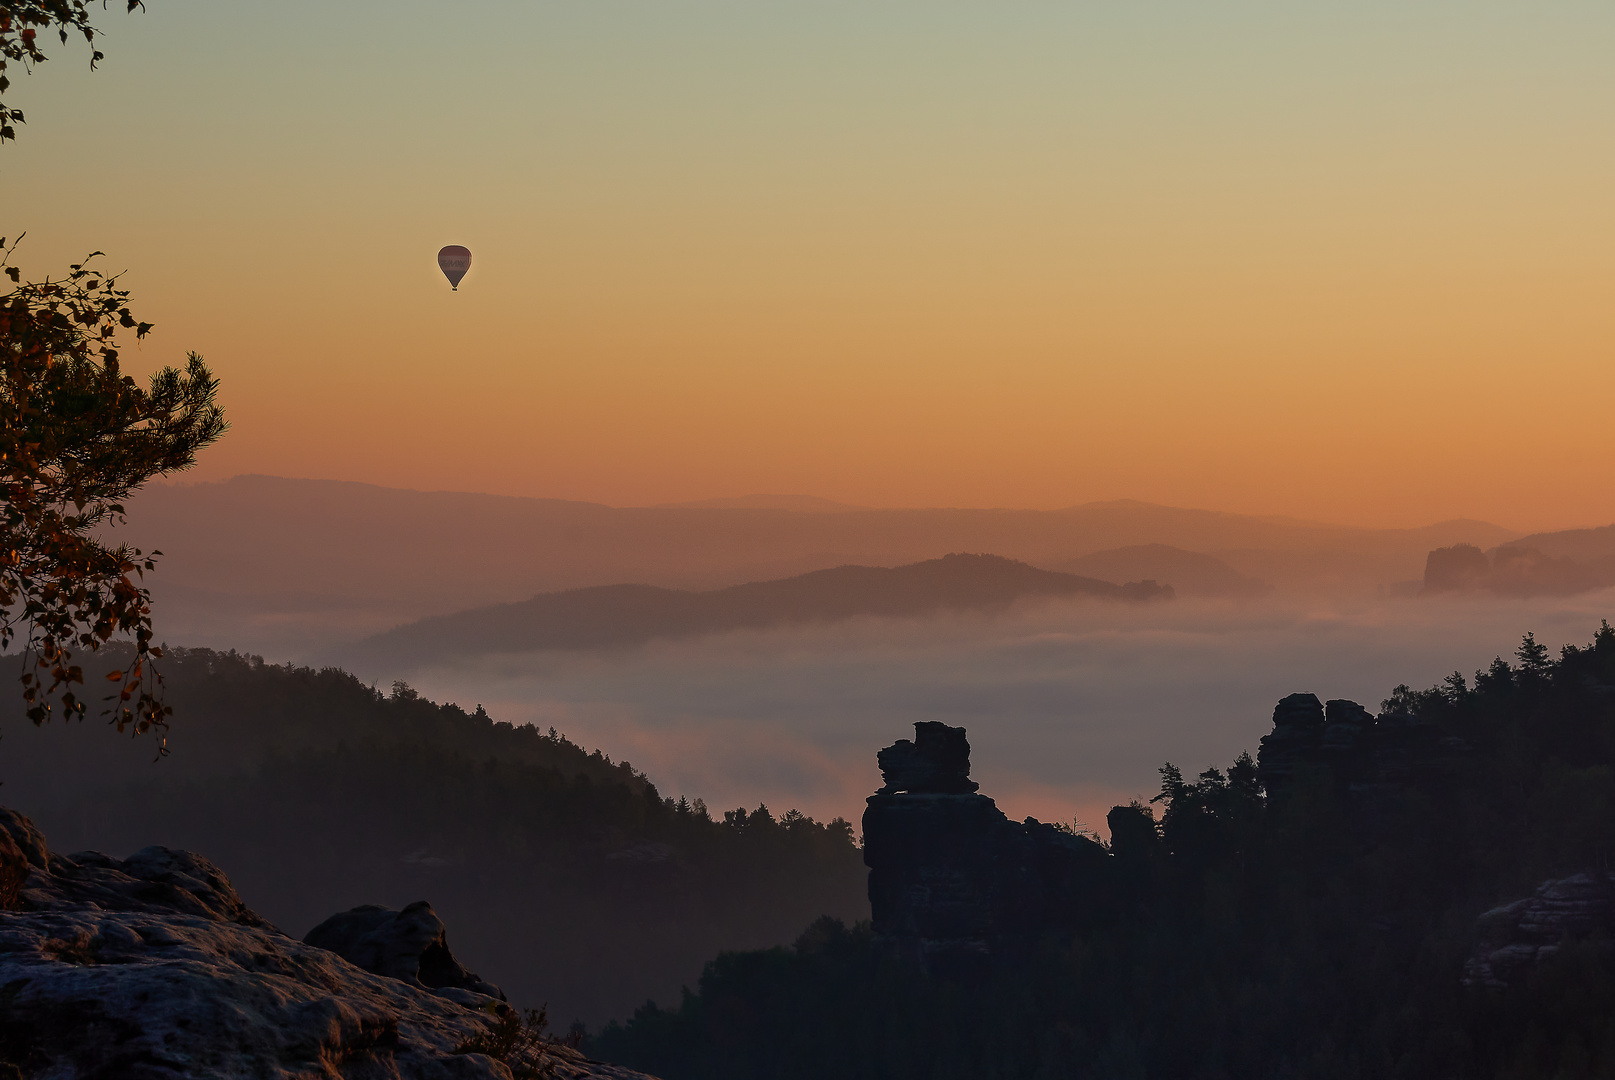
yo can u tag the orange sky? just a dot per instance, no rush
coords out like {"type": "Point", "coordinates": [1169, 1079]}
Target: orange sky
{"type": "Point", "coordinates": [1354, 262]}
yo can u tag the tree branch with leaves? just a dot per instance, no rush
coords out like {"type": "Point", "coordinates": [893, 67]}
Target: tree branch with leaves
{"type": "Point", "coordinates": [21, 22]}
{"type": "Point", "coordinates": [77, 438]}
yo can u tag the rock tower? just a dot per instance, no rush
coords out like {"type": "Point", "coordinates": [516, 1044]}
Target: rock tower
{"type": "Point", "coordinates": [953, 883]}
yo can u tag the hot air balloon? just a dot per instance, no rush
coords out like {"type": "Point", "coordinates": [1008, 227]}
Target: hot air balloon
{"type": "Point", "coordinates": [454, 261]}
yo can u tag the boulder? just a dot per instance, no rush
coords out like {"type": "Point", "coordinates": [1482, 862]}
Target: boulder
{"type": "Point", "coordinates": [411, 945]}
{"type": "Point", "coordinates": [152, 968]}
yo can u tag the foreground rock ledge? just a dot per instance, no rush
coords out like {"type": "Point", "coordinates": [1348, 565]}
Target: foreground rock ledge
{"type": "Point", "coordinates": [151, 968]}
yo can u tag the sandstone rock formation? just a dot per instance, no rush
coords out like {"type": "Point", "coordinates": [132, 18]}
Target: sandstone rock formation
{"type": "Point", "coordinates": [410, 945]}
{"type": "Point", "coordinates": [1515, 938]}
{"type": "Point", "coordinates": [1459, 568]}
{"type": "Point", "coordinates": [1372, 759]}
{"type": "Point", "coordinates": [152, 968]}
{"type": "Point", "coordinates": [1297, 726]}
{"type": "Point", "coordinates": [937, 762]}
{"type": "Point", "coordinates": [953, 883]}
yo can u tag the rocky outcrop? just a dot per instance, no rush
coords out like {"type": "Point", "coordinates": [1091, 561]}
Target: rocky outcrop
{"type": "Point", "coordinates": [152, 968]}
{"type": "Point", "coordinates": [1525, 569]}
{"type": "Point", "coordinates": [937, 762]}
{"type": "Point", "coordinates": [1371, 759]}
{"type": "Point", "coordinates": [1515, 938]}
{"type": "Point", "coordinates": [411, 945]}
{"type": "Point", "coordinates": [953, 883]}
{"type": "Point", "coordinates": [1459, 568]}
{"type": "Point", "coordinates": [1297, 728]}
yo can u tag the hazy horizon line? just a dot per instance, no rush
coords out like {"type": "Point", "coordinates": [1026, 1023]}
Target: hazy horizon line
{"type": "Point", "coordinates": [832, 505]}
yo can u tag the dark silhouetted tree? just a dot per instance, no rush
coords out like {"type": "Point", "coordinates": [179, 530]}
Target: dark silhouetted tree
{"type": "Point", "coordinates": [1533, 657]}
{"type": "Point", "coordinates": [77, 437]}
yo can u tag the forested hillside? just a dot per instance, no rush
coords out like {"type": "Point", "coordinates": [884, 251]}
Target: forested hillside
{"type": "Point", "coordinates": [1316, 915]}
{"type": "Point", "coordinates": [564, 876]}
{"type": "Point", "coordinates": [1543, 564]}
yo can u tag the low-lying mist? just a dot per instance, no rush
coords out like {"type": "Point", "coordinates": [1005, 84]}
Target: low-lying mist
{"type": "Point", "coordinates": [1071, 706]}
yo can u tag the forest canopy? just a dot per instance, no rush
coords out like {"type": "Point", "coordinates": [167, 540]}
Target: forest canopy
{"type": "Point", "coordinates": [1255, 929]}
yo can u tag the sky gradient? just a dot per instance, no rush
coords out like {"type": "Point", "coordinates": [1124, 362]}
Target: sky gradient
{"type": "Point", "coordinates": [1353, 262]}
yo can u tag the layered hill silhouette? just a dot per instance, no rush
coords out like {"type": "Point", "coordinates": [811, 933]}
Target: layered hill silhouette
{"type": "Point", "coordinates": [609, 615]}
{"type": "Point", "coordinates": [300, 567]}
{"type": "Point", "coordinates": [1191, 573]}
{"type": "Point", "coordinates": [1542, 564]}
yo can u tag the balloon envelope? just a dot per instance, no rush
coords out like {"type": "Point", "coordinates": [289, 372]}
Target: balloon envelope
{"type": "Point", "coordinates": [454, 261]}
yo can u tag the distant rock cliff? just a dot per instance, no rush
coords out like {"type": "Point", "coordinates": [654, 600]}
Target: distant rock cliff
{"type": "Point", "coordinates": [152, 968]}
{"type": "Point", "coordinates": [953, 883]}
{"type": "Point", "coordinates": [1547, 564]}
{"type": "Point", "coordinates": [1372, 759]}
{"type": "Point", "coordinates": [1459, 568]}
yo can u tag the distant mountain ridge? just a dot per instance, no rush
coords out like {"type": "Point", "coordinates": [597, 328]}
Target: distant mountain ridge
{"type": "Point", "coordinates": [297, 568]}
{"type": "Point", "coordinates": [608, 615]}
{"type": "Point", "coordinates": [1584, 545]}
{"type": "Point", "coordinates": [797, 504]}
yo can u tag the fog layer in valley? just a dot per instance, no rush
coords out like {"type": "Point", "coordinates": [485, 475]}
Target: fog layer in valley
{"type": "Point", "coordinates": [1071, 706]}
